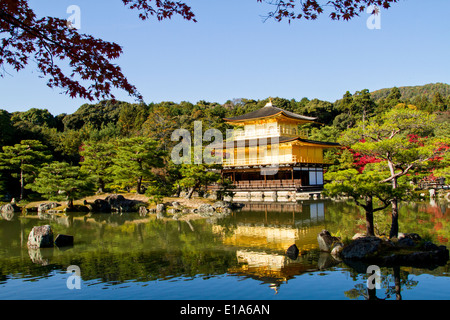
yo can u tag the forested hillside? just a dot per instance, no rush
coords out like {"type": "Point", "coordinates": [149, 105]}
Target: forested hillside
{"type": "Point", "coordinates": [432, 93]}
{"type": "Point", "coordinates": [94, 139]}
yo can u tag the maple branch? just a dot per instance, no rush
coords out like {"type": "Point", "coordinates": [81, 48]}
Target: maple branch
{"type": "Point", "coordinates": [37, 33]}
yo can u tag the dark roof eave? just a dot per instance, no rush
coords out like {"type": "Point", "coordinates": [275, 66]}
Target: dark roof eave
{"type": "Point", "coordinates": [255, 142]}
{"type": "Point", "coordinates": [267, 112]}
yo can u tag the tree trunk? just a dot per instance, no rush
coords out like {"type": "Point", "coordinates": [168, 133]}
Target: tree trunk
{"type": "Point", "coordinates": [394, 225]}
{"type": "Point", "coordinates": [69, 203]}
{"type": "Point", "coordinates": [190, 192]}
{"type": "Point", "coordinates": [398, 295]}
{"type": "Point", "coordinates": [370, 230]}
{"type": "Point", "coordinates": [177, 193]}
{"type": "Point", "coordinates": [21, 184]}
{"type": "Point", "coordinates": [101, 185]}
{"type": "Point", "coordinates": [139, 184]}
{"type": "Point", "coordinates": [368, 207]}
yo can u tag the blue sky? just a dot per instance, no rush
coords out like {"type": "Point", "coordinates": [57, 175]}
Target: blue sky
{"type": "Point", "coordinates": [231, 53]}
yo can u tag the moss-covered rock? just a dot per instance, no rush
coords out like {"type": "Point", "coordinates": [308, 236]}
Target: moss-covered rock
{"type": "Point", "coordinates": [409, 250]}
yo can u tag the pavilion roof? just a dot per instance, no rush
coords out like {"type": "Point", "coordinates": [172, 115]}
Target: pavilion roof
{"type": "Point", "coordinates": [267, 112]}
{"type": "Point", "coordinates": [269, 141]}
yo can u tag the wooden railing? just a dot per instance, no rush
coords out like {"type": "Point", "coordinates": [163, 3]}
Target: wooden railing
{"type": "Point", "coordinates": [261, 184]}
{"type": "Point", "coordinates": [242, 134]}
{"type": "Point", "coordinates": [260, 161]}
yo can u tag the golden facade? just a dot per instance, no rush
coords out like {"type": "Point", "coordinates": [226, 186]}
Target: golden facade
{"type": "Point", "coordinates": [269, 149]}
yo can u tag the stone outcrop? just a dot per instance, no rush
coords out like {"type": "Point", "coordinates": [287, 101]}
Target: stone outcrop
{"type": "Point", "coordinates": [408, 250]}
{"type": "Point", "coordinates": [219, 208]}
{"type": "Point", "coordinates": [114, 203]}
{"type": "Point", "coordinates": [143, 211]}
{"type": "Point", "coordinates": [40, 237]}
{"type": "Point", "coordinates": [47, 206]}
{"type": "Point", "coordinates": [8, 210]}
{"type": "Point", "coordinates": [63, 240]}
{"type": "Point", "coordinates": [292, 252]}
{"type": "Point", "coordinates": [160, 210]}
{"type": "Point", "coordinates": [326, 241]}
{"type": "Point", "coordinates": [362, 248]}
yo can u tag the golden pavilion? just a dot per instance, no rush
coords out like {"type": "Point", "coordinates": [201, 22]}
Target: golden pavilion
{"type": "Point", "coordinates": [269, 151]}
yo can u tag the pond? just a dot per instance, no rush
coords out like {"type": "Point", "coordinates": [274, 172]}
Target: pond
{"type": "Point", "coordinates": [239, 257]}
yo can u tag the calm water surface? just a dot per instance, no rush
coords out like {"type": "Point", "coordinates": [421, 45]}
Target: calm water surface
{"type": "Point", "coordinates": [238, 257]}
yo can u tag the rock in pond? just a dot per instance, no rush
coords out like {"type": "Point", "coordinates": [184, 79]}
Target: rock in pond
{"type": "Point", "coordinates": [160, 210]}
{"type": "Point", "coordinates": [40, 237]}
{"type": "Point", "coordinates": [326, 241]}
{"type": "Point", "coordinates": [402, 252]}
{"type": "Point", "coordinates": [63, 240]}
{"type": "Point", "coordinates": [143, 211]}
{"type": "Point", "coordinates": [47, 206]}
{"type": "Point", "coordinates": [9, 208]}
{"type": "Point", "coordinates": [292, 252]}
{"type": "Point", "coordinates": [361, 248]}
{"type": "Point", "coordinates": [205, 210]}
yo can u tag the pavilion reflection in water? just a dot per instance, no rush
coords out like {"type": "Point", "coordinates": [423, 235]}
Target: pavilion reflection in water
{"type": "Point", "coordinates": [263, 233]}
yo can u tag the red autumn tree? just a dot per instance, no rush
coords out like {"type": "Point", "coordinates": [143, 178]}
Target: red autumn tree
{"type": "Point", "coordinates": [311, 9]}
{"type": "Point", "coordinates": [50, 42]}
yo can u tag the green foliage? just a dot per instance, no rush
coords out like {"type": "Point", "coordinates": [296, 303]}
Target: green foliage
{"type": "Point", "coordinates": [97, 158]}
{"type": "Point", "coordinates": [73, 138]}
{"type": "Point", "coordinates": [6, 128]}
{"type": "Point", "coordinates": [195, 176]}
{"type": "Point", "coordinates": [61, 181]}
{"type": "Point", "coordinates": [402, 139]}
{"type": "Point", "coordinates": [99, 114]}
{"type": "Point", "coordinates": [2, 186]}
{"type": "Point", "coordinates": [411, 92]}
{"type": "Point", "coordinates": [155, 192]}
{"type": "Point", "coordinates": [36, 117]}
{"type": "Point", "coordinates": [402, 136]}
{"type": "Point", "coordinates": [23, 160]}
{"type": "Point", "coordinates": [133, 162]}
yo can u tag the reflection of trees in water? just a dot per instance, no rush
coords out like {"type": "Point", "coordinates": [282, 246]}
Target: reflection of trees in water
{"type": "Point", "coordinates": [117, 248]}
{"type": "Point", "coordinates": [115, 252]}
{"type": "Point", "coordinates": [392, 282]}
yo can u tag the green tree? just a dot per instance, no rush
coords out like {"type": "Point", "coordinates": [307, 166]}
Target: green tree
{"type": "Point", "coordinates": [96, 159]}
{"type": "Point", "coordinates": [61, 181]}
{"type": "Point", "coordinates": [195, 176]}
{"type": "Point", "coordinates": [70, 142]}
{"type": "Point", "coordinates": [394, 97]}
{"type": "Point", "coordinates": [345, 106]}
{"type": "Point", "coordinates": [24, 160]}
{"type": "Point", "coordinates": [397, 138]}
{"type": "Point", "coordinates": [134, 160]}
{"type": "Point", "coordinates": [363, 104]}
{"type": "Point", "coordinates": [6, 128]}
{"type": "Point", "coordinates": [323, 110]}
{"type": "Point", "coordinates": [36, 117]}
{"type": "Point", "coordinates": [2, 185]}
{"type": "Point", "coordinates": [363, 187]}
{"type": "Point", "coordinates": [439, 102]}
{"type": "Point", "coordinates": [159, 126]}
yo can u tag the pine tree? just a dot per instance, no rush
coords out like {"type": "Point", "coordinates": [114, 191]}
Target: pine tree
{"type": "Point", "coordinates": [134, 160]}
{"type": "Point", "coordinates": [97, 158]}
{"type": "Point", "coordinates": [402, 140]}
{"type": "Point", "coordinates": [24, 160]}
{"type": "Point", "coordinates": [61, 181]}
